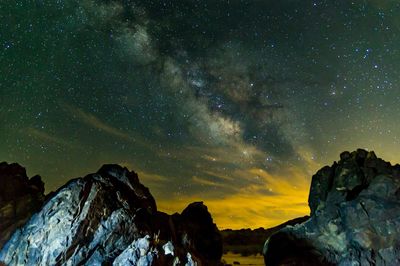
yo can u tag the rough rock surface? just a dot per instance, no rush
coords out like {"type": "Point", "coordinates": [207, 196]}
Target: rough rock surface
{"type": "Point", "coordinates": [20, 197]}
{"type": "Point", "coordinates": [355, 217]}
{"type": "Point", "coordinates": [110, 218]}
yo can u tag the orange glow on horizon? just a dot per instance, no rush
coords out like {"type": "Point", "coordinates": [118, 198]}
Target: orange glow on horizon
{"type": "Point", "coordinates": [250, 208]}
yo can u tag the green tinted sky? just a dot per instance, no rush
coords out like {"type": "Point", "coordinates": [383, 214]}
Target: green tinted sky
{"type": "Point", "coordinates": [233, 102]}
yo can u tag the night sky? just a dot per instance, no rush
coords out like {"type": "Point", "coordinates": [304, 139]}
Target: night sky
{"type": "Point", "coordinates": [236, 103]}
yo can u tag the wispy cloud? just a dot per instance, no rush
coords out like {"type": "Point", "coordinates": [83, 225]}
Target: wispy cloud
{"type": "Point", "coordinates": [152, 178]}
{"type": "Point", "coordinates": [273, 201]}
{"type": "Point", "coordinates": [95, 122]}
{"type": "Point", "coordinates": [205, 182]}
{"type": "Point", "coordinates": [246, 197]}
{"type": "Point", "coordinates": [218, 175]}
{"type": "Point", "coordinates": [48, 138]}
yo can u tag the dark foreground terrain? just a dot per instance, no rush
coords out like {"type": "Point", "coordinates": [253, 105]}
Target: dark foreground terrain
{"type": "Point", "coordinates": [110, 218]}
{"type": "Point", "coordinates": [248, 242]}
{"type": "Point", "coordinates": [107, 217]}
{"type": "Point", "coordinates": [355, 217]}
{"type": "Point", "coordinates": [355, 220]}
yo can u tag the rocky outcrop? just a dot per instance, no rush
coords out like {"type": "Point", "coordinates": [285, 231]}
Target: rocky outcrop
{"type": "Point", "coordinates": [110, 218]}
{"type": "Point", "coordinates": [355, 217]}
{"type": "Point", "coordinates": [248, 242]}
{"type": "Point", "coordinates": [20, 197]}
{"type": "Point", "coordinates": [196, 222]}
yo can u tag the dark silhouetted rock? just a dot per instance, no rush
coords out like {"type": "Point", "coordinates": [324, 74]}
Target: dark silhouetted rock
{"type": "Point", "coordinates": [355, 217]}
{"type": "Point", "coordinates": [248, 242]}
{"type": "Point", "coordinates": [20, 197]}
{"type": "Point", "coordinates": [204, 238]}
{"type": "Point", "coordinates": [110, 218]}
{"type": "Point", "coordinates": [285, 248]}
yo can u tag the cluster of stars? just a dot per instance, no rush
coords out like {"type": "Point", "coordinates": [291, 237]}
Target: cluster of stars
{"type": "Point", "coordinates": [183, 90]}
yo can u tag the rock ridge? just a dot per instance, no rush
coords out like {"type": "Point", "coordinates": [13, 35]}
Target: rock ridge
{"type": "Point", "coordinates": [355, 217]}
{"type": "Point", "coordinates": [20, 197]}
{"type": "Point", "coordinates": [110, 218]}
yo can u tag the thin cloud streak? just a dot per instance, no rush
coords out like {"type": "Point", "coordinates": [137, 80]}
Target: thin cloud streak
{"type": "Point", "coordinates": [95, 122]}
{"type": "Point", "coordinates": [44, 136]}
{"type": "Point", "coordinates": [271, 202]}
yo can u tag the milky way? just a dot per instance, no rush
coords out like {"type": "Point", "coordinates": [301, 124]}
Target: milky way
{"type": "Point", "coordinates": [236, 103]}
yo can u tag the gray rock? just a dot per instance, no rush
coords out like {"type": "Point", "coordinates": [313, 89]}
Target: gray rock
{"type": "Point", "coordinates": [108, 218]}
{"type": "Point", "coordinates": [138, 253]}
{"type": "Point", "coordinates": [355, 217]}
{"type": "Point", "coordinates": [168, 248]}
{"type": "Point", "coordinates": [90, 220]}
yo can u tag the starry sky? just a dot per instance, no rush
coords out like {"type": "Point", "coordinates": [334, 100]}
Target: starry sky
{"type": "Point", "coordinates": [236, 103]}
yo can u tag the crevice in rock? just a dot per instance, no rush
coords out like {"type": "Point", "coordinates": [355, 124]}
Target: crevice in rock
{"type": "Point", "coordinates": [352, 194]}
{"type": "Point", "coordinates": [364, 209]}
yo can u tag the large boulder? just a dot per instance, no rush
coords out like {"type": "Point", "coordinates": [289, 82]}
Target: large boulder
{"type": "Point", "coordinates": [20, 197]}
{"type": "Point", "coordinates": [200, 233]}
{"type": "Point", "coordinates": [248, 242]}
{"type": "Point", "coordinates": [109, 218]}
{"type": "Point", "coordinates": [355, 217]}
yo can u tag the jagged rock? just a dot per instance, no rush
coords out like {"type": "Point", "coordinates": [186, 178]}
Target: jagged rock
{"type": "Point", "coordinates": [138, 253]}
{"type": "Point", "coordinates": [203, 237]}
{"type": "Point", "coordinates": [107, 218]}
{"type": "Point", "coordinates": [20, 197]}
{"type": "Point", "coordinates": [355, 217]}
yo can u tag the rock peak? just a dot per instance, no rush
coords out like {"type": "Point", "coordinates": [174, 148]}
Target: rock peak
{"type": "Point", "coordinates": [355, 210]}
{"type": "Point", "coordinates": [122, 174]}
{"type": "Point", "coordinates": [353, 173]}
{"type": "Point", "coordinates": [20, 197]}
{"type": "Point", "coordinates": [359, 156]}
{"type": "Point", "coordinates": [115, 170]}
{"type": "Point", "coordinates": [110, 218]}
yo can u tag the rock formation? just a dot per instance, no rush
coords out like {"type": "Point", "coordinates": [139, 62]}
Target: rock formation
{"type": "Point", "coordinates": [20, 197]}
{"type": "Point", "coordinates": [110, 218]}
{"type": "Point", "coordinates": [355, 217]}
{"type": "Point", "coordinates": [247, 242]}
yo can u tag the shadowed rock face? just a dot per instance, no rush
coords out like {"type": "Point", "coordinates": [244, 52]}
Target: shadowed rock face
{"type": "Point", "coordinates": [110, 218]}
{"type": "Point", "coordinates": [204, 238]}
{"type": "Point", "coordinates": [20, 197]}
{"type": "Point", "coordinates": [285, 248]}
{"type": "Point", "coordinates": [248, 242]}
{"type": "Point", "coordinates": [355, 217]}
